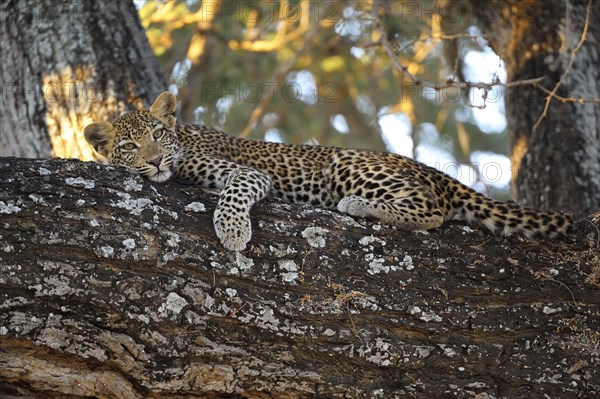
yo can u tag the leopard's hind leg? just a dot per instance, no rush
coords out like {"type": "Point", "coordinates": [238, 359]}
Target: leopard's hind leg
{"type": "Point", "coordinates": [406, 213]}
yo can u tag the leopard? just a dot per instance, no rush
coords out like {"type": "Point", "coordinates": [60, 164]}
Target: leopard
{"type": "Point", "coordinates": [383, 186]}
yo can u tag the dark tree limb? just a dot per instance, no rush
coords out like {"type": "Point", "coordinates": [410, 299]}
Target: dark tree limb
{"type": "Point", "coordinates": [113, 287]}
{"type": "Point", "coordinates": [555, 151]}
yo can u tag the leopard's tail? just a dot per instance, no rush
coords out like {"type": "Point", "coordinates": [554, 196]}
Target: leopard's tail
{"type": "Point", "coordinates": [508, 218]}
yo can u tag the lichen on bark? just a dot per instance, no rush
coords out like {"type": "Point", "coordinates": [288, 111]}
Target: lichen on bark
{"type": "Point", "coordinates": [112, 286]}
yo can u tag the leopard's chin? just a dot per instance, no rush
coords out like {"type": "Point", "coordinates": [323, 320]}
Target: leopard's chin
{"type": "Point", "coordinates": [161, 175]}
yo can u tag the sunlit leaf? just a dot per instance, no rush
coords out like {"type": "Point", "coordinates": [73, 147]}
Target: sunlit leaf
{"type": "Point", "coordinates": [333, 64]}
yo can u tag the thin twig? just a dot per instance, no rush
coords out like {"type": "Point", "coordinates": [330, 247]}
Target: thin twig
{"type": "Point", "coordinates": [461, 85]}
{"type": "Point", "coordinates": [386, 44]}
{"type": "Point", "coordinates": [569, 99]}
{"type": "Point", "coordinates": [429, 38]}
{"type": "Point", "coordinates": [569, 67]}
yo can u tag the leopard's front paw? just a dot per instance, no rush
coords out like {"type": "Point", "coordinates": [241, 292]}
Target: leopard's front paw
{"type": "Point", "coordinates": [233, 228]}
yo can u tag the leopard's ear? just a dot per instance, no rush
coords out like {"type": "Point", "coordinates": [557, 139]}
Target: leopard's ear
{"type": "Point", "coordinates": [164, 108]}
{"type": "Point", "coordinates": [101, 136]}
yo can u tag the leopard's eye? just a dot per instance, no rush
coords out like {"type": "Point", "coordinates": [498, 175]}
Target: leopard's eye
{"type": "Point", "coordinates": [157, 134]}
{"type": "Point", "coordinates": [129, 146]}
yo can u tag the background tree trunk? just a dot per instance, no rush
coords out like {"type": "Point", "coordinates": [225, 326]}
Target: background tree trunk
{"type": "Point", "coordinates": [113, 287]}
{"type": "Point", "coordinates": [66, 64]}
{"type": "Point", "coordinates": [558, 164]}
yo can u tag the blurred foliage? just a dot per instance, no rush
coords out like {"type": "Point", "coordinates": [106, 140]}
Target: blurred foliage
{"type": "Point", "coordinates": [315, 70]}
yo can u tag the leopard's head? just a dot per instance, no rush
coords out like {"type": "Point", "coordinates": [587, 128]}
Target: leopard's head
{"type": "Point", "coordinates": [143, 141]}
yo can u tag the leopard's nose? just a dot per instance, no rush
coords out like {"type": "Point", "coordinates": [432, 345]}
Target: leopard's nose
{"type": "Point", "coordinates": [155, 161]}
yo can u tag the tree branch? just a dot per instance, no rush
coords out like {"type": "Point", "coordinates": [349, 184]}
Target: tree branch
{"type": "Point", "coordinates": [112, 286]}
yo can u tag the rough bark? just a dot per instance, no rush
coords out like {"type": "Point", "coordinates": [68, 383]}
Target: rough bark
{"type": "Point", "coordinates": [114, 287]}
{"type": "Point", "coordinates": [66, 64]}
{"type": "Point", "coordinates": [558, 164]}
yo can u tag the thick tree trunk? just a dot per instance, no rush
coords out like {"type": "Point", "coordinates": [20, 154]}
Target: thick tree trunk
{"type": "Point", "coordinates": [66, 64]}
{"type": "Point", "coordinates": [113, 287]}
{"type": "Point", "coordinates": [558, 164]}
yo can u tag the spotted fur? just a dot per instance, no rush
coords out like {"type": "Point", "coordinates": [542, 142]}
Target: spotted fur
{"type": "Point", "coordinates": [389, 187]}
